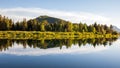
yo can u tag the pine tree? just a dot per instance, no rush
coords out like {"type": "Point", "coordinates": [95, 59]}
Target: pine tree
{"type": "Point", "coordinates": [24, 25]}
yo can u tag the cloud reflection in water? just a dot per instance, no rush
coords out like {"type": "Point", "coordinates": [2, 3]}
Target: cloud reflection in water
{"type": "Point", "coordinates": [75, 49]}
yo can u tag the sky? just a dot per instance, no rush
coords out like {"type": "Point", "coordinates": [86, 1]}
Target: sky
{"type": "Point", "coordinates": [86, 11]}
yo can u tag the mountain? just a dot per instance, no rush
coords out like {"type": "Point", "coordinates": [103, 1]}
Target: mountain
{"type": "Point", "coordinates": [49, 19]}
{"type": "Point", "coordinates": [54, 20]}
{"type": "Point", "coordinates": [116, 29]}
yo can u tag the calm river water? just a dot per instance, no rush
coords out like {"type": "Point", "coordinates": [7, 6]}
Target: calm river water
{"type": "Point", "coordinates": [83, 53]}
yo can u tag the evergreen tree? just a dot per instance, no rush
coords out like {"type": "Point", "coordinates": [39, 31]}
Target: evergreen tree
{"type": "Point", "coordinates": [24, 25]}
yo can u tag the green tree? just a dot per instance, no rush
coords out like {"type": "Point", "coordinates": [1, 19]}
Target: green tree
{"type": "Point", "coordinates": [69, 26]}
{"type": "Point", "coordinates": [24, 25]}
{"type": "Point", "coordinates": [34, 25]}
{"type": "Point", "coordinates": [43, 23]}
{"type": "Point", "coordinates": [85, 27]}
{"type": "Point", "coordinates": [80, 27]}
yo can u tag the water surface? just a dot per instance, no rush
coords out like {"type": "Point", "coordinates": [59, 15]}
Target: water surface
{"type": "Point", "coordinates": [83, 53]}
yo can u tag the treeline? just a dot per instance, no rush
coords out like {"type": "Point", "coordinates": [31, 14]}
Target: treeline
{"type": "Point", "coordinates": [7, 24]}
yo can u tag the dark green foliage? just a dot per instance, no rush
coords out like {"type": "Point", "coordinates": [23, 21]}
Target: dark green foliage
{"type": "Point", "coordinates": [48, 18]}
{"type": "Point", "coordinates": [5, 23]}
{"type": "Point", "coordinates": [45, 23]}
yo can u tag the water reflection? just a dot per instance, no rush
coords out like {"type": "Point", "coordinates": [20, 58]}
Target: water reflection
{"type": "Point", "coordinates": [69, 53]}
{"type": "Point", "coordinates": [5, 44]}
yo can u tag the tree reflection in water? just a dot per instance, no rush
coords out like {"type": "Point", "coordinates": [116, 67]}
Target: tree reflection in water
{"type": "Point", "coordinates": [5, 44]}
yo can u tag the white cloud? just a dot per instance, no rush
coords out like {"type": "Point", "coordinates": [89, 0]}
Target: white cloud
{"type": "Point", "coordinates": [75, 49]}
{"type": "Point", "coordinates": [28, 13]}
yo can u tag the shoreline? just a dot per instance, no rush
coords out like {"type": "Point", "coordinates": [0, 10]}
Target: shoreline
{"type": "Point", "coordinates": [51, 35]}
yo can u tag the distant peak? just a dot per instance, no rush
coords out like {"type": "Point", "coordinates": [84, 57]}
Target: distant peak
{"type": "Point", "coordinates": [49, 19]}
{"type": "Point", "coordinates": [43, 16]}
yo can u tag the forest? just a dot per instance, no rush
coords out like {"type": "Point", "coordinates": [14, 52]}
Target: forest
{"type": "Point", "coordinates": [7, 24]}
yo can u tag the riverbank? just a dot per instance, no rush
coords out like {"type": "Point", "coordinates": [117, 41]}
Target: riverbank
{"type": "Point", "coordinates": [51, 35]}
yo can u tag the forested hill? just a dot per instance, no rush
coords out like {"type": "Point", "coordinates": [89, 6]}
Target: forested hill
{"type": "Point", "coordinates": [48, 19]}
{"type": "Point", "coordinates": [51, 24]}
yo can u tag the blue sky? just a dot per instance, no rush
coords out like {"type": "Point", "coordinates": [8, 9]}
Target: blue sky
{"type": "Point", "coordinates": [105, 8]}
{"type": "Point", "coordinates": [71, 5]}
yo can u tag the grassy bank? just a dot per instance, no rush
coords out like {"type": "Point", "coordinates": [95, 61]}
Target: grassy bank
{"type": "Point", "coordinates": [50, 35]}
